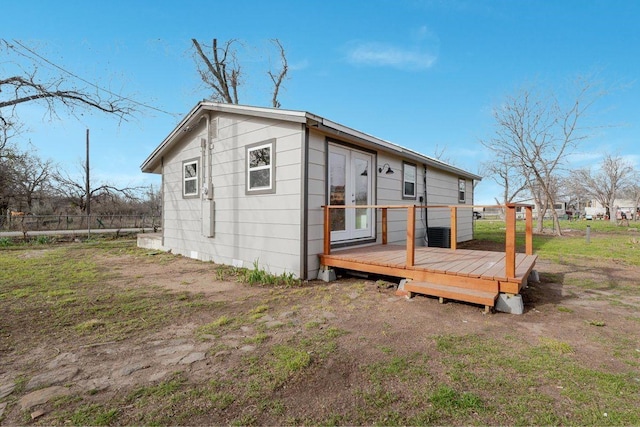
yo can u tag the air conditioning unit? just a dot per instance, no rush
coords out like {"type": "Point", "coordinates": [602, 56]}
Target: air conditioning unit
{"type": "Point", "coordinates": [439, 237]}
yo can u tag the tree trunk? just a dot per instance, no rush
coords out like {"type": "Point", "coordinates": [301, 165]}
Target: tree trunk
{"type": "Point", "coordinates": [540, 218]}
{"type": "Point", "coordinates": [612, 211]}
{"type": "Point", "coordinates": [556, 223]}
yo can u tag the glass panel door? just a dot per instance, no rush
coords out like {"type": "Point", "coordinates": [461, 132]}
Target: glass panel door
{"type": "Point", "coordinates": [350, 178]}
{"type": "Point", "coordinates": [362, 226]}
{"type": "Point", "coordinates": [337, 186]}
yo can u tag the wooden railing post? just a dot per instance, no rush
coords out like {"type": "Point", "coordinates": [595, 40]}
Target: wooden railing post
{"type": "Point", "coordinates": [327, 231]}
{"type": "Point", "coordinates": [384, 226]}
{"type": "Point", "coordinates": [454, 228]}
{"type": "Point", "coordinates": [411, 242]}
{"type": "Point", "coordinates": [510, 241]}
{"type": "Point", "coordinates": [529, 230]}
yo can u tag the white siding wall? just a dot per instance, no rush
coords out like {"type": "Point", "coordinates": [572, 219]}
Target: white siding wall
{"type": "Point", "coordinates": [248, 228]}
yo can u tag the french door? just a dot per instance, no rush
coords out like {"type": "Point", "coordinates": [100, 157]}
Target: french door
{"type": "Point", "coordinates": [350, 183]}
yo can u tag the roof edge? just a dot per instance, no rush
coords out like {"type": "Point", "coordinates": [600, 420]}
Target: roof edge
{"type": "Point", "coordinates": [151, 162]}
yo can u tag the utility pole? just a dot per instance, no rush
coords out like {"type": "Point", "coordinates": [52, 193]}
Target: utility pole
{"type": "Point", "coordinates": [88, 190]}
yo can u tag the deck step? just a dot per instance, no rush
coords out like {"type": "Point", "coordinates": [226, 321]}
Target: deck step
{"type": "Point", "coordinates": [487, 298]}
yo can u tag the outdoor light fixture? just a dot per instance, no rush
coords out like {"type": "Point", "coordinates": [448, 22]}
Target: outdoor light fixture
{"type": "Point", "coordinates": [364, 173]}
{"type": "Point", "coordinates": [389, 170]}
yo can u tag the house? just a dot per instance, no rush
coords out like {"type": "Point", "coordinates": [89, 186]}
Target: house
{"type": "Point", "coordinates": [244, 185]}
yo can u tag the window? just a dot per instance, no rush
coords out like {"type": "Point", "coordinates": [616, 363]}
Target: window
{"type": "Point", "coordinates": [408, 181]}
{"type": "Point", "coordinates": [190, 178]}
{"type": "Point", "coordinates": [260, 168]}
{"type": "Point", "coordinates": [462, 190]}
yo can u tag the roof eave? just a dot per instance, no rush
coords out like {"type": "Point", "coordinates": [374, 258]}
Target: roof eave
{"type": "Point", "coordinates": [152, 162]}
{"type": "Point", "coordinates": [339, 129]}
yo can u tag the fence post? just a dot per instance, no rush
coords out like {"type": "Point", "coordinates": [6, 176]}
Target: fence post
{"type": "Point", "coordinates": [411, 242]}
{"type": "Point", "coordinates": [327, 231]}
{"type": "Point", "coordinates": [510, 241]}
{"type": "Point", "coordinates": [529, 230]}
{"type": "Point", "coordinates": [454, 228]}
{"type": "Point", "coordinates": [384, 226]}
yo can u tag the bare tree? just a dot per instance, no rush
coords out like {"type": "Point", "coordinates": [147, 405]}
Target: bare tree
{"type": "Point", "coordinates": [577, 198]}
{"type": "Point", "coordinates": [74, 190]}
{"type": "Point", "coordinates": [278, 77]}
{"type": "Point", "coordinates": [633, 192]}
{"type": "Point", "coordinates": [27, 77]}
{"type": "Point", "coordinates": [7, 181]}
{"type": "Point", "coordinates": [614, 176]}
{"type": "Point", "coordinates": [220, 70]}
{"type": "Point", "coordinates": [537, 134]}
{"type": "Point", "coordinates": [31, 176]}
{"type": "Point", "coordinates": [503, 172]}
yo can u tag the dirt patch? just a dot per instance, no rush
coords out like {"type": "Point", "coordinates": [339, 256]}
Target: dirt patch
{"type": "Point", "coordinates": [349, 325]}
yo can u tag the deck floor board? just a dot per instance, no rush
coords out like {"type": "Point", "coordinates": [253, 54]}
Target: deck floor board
{"type": "Point", "coordinates": [484, 265]}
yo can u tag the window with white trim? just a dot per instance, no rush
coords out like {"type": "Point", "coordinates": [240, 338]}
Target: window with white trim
{"type": "Point", "coordinates": [260, 168]}
{"type": "Point", "coordinates": [462, 190]}
{"type": "Point", "coordinates": [408, 181]}
{"type": "Point", "coordinates": [190, 178]}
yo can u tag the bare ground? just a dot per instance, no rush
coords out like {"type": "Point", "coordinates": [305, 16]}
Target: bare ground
{"type": "Point", "coordinates": [370, 318]}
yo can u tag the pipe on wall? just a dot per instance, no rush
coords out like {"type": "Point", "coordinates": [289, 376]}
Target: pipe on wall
{"type": "Point", "coordinates": [207, 153]}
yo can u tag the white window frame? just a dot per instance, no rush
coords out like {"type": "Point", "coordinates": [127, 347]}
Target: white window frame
{"type": "Point", "coordinates": [462, 190]}
{"type": "Point", "coordinates": [271, 188]}
{"type": "Point", "coordinates": [186, 178]}
{"type": "Point", "coordinates": [405, 166]}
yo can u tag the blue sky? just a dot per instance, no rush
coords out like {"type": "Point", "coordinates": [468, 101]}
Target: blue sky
{"type": "Point", "coordinates": [423, 74]}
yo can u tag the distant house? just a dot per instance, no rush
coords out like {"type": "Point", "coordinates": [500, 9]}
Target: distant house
{"type": "Point", "coordinates": [244, 184]}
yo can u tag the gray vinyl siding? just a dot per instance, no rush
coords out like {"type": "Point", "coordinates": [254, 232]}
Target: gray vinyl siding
{"type": "Point", "coordinates": [266, 227]}
{"type": "Point", "coordinates": [443, 190]}
{"type": "Point", "coordinates": [181, 216]}
{"type": "Point", "coordinates": [316, 199]}
{"type": "Point", "coordinates": [263, 228]}
{"type": "Point", "coordinates": [389, 192]}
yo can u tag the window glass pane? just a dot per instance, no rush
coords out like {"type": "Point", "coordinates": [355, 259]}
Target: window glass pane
{"type": "Point", "coordinates": [362, 192]}
{"type": "Point", "coordinates": [260, 178]}
{"type": "Point", "coordinates": [190, 187]}
{"type": "Point", "coordinates": [410, 173]}
{"type": "Point", "coordinates": [337, 181]}
{"type": "Point", "coordinates": [260, 157]}
{"type": "Point", "coordinates": [190, 170]}
{"type": "Point", "coordinates": [409, 189]}
{"type": "Point", "coordinates": [337, 178]}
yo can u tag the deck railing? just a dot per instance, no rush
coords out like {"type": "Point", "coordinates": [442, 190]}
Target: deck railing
{"type": "Point", "coordinates": [510, 225]}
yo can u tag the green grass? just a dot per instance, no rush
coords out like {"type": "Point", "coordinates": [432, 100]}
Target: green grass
{"type": "Point", "coordinates": [470, 379]}
{"type": "Point", "coordinates": [57, 288]}
{"type": "Point", "coordinates": [94, 415]}
{"type": "Point", "coordinates": [260, 276]}
{"type": "Point", "coordinates": [607, 241]}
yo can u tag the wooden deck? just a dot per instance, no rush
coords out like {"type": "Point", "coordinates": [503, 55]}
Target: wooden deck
{"type": "Point", "coordinates": [470, 269]}
{"type": "Point", "coordinates": [451, 273]}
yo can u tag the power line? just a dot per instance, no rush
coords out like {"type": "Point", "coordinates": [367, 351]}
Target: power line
{"type": "Point", "coordinates": [93, 84]}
